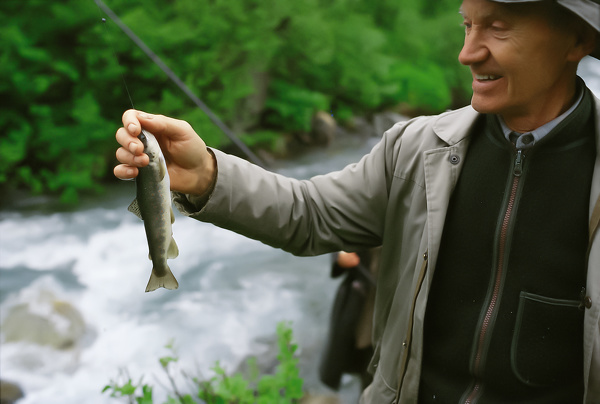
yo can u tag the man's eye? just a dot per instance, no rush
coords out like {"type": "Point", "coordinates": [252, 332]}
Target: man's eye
{"type": "Point", "coordinates": [500, 31]}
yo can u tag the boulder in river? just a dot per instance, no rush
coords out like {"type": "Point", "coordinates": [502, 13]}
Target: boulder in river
{"type": "Point", "coordinates": [10, 392]}
{"type": "Point", "coordinates": [323, 129]}
{"type": "Point", "coordinates": [45, 321]}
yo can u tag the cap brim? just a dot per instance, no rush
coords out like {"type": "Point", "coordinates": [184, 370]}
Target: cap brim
{"type": "Point", "coordinates": [588, 11]}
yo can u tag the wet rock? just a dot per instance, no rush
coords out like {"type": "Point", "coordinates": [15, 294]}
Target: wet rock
{"type": "Point", "coordinates": [9, 392]}
{"type": "Point", "coordinates": [385, 120]}
{"type": "Point", "coordinates": [248, 110]}
{"type": "Point", "coordinates": [264, 359]}
{"type": "Point", "coordinates": [45, 321]}
{"type": "Point", "coordinates": [323, 129]}
{"type": "Point", "coordinates": [359, 125]}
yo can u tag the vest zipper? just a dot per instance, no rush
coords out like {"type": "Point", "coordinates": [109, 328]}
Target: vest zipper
{"type": "Point", "coordinates": [518, 166]}
{"type": "Point", "coordinates": [490, 313]}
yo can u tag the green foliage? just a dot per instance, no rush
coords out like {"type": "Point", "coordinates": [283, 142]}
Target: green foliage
{"type": "Point", "coordinates": [263, 67]}
{"type": "Point", "coordinates": [283, 387]}
{"type": "Point", "coordinates": [294, 106]}
{"type": "Point", "coordinates": [265, 139]}
{"type": "Point", "coordinates": [128, 390]}
{"type": "Point", "coordinates": [54, 135]}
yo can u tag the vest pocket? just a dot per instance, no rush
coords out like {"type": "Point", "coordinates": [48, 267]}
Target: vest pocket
{"type": "Point", "coordinates": [546, 345]}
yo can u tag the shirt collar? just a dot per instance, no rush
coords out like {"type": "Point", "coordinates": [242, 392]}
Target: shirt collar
{"type": "Point", "coordinates": [543, 130]}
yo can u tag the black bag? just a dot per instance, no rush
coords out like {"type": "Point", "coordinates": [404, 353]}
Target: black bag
{"type": "Point", "coordinates": [340, 354]}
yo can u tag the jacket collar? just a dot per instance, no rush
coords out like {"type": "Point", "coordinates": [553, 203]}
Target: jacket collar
{"type": "Point", "coordinates": [454, 126]}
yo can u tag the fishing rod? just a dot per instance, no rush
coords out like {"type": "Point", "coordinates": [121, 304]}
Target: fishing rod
{"type": "Point", "coordinates": [175, 79]}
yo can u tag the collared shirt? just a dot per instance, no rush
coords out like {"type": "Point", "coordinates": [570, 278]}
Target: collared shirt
{"type": "Point", "coordinates": [528, 139]}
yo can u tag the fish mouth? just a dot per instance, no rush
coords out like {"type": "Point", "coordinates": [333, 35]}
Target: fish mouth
{"type": "Point", "coordinates": [486, 77]}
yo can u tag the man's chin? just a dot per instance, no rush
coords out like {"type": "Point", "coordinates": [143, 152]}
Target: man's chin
{"type": "Point", "coordinates": [484, 106]}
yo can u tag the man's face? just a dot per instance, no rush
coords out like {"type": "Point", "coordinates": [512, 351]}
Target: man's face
{"type": "Point", "coordinates": [520, 63]}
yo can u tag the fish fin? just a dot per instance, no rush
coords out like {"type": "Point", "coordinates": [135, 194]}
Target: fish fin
{"type": "Point", "coordinates": [173, 250]}
{"type": "Point", "coordinates": [172, 216]}
{"type": "Point", "coordinates": [167, 281]}
{"type": "Point", "coordinates": [135, 209]}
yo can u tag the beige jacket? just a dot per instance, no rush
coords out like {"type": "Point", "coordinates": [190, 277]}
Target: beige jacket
{"type": "Point", "coordinates": [397, 196]}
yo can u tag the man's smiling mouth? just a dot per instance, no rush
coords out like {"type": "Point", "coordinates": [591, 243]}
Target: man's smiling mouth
{"type": "Point", "coordinates": [486, 77]}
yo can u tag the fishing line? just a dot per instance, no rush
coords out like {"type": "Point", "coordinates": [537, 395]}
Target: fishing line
{"type": "Point", "coordinates": [182, 86]}
{"type": "Point", "coordinates": [116, 56]}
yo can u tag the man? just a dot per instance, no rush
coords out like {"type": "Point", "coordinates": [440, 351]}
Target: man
{"type": "Point", "coordinates": [489, 282]}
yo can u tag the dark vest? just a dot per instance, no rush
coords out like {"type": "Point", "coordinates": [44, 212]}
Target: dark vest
{"type": "Point", "coordinates": [503, 321]}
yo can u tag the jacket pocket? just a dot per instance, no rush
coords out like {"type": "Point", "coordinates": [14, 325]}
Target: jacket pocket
{"type": "Point", "coordinates": [547, 344]}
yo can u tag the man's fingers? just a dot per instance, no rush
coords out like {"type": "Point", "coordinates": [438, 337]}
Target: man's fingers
{"type": "Point", "coordinates": [131, 122]}
{"type": "Point", "coordinates": [134, 121]}
{"type": "Point", "coordinates": [163, 127]}
{"type": "Point", "coordinates": [125, 172]}
{"type": "Point", "coordinates": [348, 260]}
{"type": "Point", "coordinates": [160, 125]}
{"type": "Point", "coordinates": [129, 142]}
{"type": "Point", "coordinates": [126, 157]}
{"type": "Point", "coordinates": [175, 128]}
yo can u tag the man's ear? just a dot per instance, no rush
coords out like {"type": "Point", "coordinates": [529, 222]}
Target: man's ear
{"type": "Point", "coordinates": [587, 38]}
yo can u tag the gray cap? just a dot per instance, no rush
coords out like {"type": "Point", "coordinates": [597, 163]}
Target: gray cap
{"type": "Point", "coordinates": [587, 10]}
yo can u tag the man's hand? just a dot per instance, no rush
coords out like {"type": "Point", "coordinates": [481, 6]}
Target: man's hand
{"type": "Point", "coordinates": [191, 167]}
{"type": "Point", "coordinates": [348, 260]}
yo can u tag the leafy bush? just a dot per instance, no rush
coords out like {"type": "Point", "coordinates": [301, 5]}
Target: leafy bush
{"type": "Point", "coordinates": [261, 65]}
{"type": "Point", "coordinates": [283, 387]}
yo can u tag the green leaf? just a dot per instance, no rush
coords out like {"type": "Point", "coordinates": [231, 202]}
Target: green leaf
{"type": "Point", "coordinates": [127, 389]}
{"type": "Point", "coordinates": [188, 399]}
{"type": "Point", "coordinates": [146, 397]}
{"type": "Point", "coordinates": [164, 361]}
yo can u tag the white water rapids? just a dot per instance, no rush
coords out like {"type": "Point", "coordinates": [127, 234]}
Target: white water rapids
{"type": "Point", "coordinates": [233, 292]}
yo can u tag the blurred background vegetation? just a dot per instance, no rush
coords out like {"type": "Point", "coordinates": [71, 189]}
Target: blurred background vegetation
{"type": "Point", "coordinates": [263, 66]}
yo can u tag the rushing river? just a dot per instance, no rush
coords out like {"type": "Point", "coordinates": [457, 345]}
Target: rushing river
{"type": "Point", "coordinates": [233, 291]}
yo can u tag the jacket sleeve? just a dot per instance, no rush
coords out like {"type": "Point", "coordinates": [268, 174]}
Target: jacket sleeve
{"type": "Point", "coordinates": [343, 210]}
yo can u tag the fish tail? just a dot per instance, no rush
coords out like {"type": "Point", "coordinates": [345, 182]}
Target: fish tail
{"type": "Point", "coordinates": [166, 281]}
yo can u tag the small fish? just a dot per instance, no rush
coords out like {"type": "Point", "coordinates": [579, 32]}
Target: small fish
{"type": "Point", "coordinates": [153, 206]}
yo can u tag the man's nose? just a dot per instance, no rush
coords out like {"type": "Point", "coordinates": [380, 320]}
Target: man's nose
{"type": "Point", "coordinates": [474, 50]}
